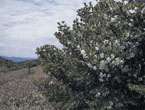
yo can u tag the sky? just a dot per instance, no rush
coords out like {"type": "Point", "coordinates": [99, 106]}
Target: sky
{"type": "Point", "coordinates": [28, 24]}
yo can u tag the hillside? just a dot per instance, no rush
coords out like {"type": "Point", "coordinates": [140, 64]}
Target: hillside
{"type": "Point", "coordinates": [5, 64]}
{"type": "Point", "coordinates": [8, 65]}
{"type": "Point", "coordinates": [18, 92]}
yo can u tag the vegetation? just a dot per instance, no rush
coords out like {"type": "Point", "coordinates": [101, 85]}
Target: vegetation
{"type": "Point", "coordinates": [18, 92]}
{"type": "Point", "coordinates": [7, 65]}
{"type": "Point", "coordinates": [102, 62]}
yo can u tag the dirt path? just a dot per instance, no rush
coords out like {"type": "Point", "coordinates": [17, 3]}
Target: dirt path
{"type": "Point", "coordinates": [17, 91]}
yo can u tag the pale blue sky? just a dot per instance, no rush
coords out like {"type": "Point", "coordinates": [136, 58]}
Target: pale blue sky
{"type": "Point", "coordinates": [27, 24]}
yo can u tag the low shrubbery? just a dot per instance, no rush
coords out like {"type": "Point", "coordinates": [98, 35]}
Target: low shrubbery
{"type": "Point", "coordinates": [7, 65]}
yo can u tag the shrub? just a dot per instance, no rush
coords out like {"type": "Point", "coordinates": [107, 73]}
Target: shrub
{"type": "Point", "coordinates": [103, 54]}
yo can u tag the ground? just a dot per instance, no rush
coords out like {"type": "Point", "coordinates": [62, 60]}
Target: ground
{"type": "Point", "coordinates": [18, 92]}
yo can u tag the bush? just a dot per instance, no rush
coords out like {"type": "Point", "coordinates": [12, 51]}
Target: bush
{"type": "Point", "coordinates": [102, 55]}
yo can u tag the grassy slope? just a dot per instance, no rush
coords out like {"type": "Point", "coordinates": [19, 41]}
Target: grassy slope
{"type": "Point", "coordinates": [17, 91]}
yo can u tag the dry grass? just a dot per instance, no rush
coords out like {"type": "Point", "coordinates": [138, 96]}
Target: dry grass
{"type": "Point", "coordinates": [17, 91]}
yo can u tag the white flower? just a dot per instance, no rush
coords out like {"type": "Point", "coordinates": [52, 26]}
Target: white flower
{"type": "Point", "coordinates": [122, 47]}
{"type": "Point", "coordinates": [102, 55]}
{"type": "Point", "coordinates": [102, 75]}
{"type": "Point", "coordinates": [121, 61]}
{"type": "Point", "coordinates": [108, 59]}
{"type": "Point", "coordinates": [125, 2]}
{"type": "Point", "coordinates": [112, 19]}
{"type": "Point", "coordinates": [101, 80]}
{"type": "Point", "coordinates": [127, 35]}
{"type": "Point", "coordinates": [111, 8]}
{"type": "Point", "coordinates": [142, 11]}
{"type": "Point", "coordinates": [129, 24]}
{"type": "Point", "coordinates": [51, 82]}
{"type": "Point", "coordinates": [68, 42]}
{"type": "Point", "coordinates": [116, 42]}
{"type": "Point", "coordinates": [116, 61]}
{"type": "Point", "coordinates": [111, 103]}
{"type": "Point", "coordinates": [95, 56]}
{"type": "Point", "coordinates": [105, 16]}
{"type": "Point", "coordinates": [96, 48]}
{"type": "Point", "coordinates": [108, 75]}
{"type": "Point", "coordinates": [131, 19]}
{"type": "Point", "coordinates": [110, 43]}
{"type": "Point", "coordinates": [135, 75]}
{"type": "Point", "coordinates": [132, 11]}
{"type": "Point", "coordinates": [94, 68]}
{"type": "Point", "coordinates": [103, 66]}
{"type": "Point", "coordinates": [78, 46]}
{"type": "Point", "coordinates": [132, 55]}
{"type": "Point", "coordinates": [89, 65]}
{"type": "Point", "coordinates": [116, 16]}
{"type": "Point", "coordinates": [120, 1]}
{"type": "Point", "coordinates": [83, 53]}
{"type": "Point", "coordinates": [140, 79]}
{"type": "Point", "coordinates": [98, 94]}
{"type": "Point", "coordinates": [106, 41]}
{"type": "Point", "coordinates": [98, 1]}
{"type": "Point", "coordinates": [136, 8]}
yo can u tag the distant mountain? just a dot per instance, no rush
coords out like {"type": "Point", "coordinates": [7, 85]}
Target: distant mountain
{"type": "Point", "coordinates": [17, 59]}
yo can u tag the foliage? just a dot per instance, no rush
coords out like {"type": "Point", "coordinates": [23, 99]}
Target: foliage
{"type": "Point", "coordinates": [28, 63]}
{"type": "Point", "coordinates": [103, 54]}
{"type": "Point", "coordinates": [8, 65]}
{"type": "Point", "coordinates": [139, 88]}
{"type": "Point", "coordinates": [5, 64]}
